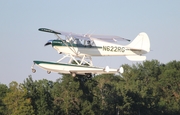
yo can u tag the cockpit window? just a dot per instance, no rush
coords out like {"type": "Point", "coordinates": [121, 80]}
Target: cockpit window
{"type": "Point", "coordinates": [77, 41]}
{"type": "Point", "coordinates": [84, 43]}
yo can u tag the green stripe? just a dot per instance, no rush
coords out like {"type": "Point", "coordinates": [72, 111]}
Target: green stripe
{"type": "Point", "coordinates": [64, 43]}
{"type": "Point", "coordinates": [44, 62]}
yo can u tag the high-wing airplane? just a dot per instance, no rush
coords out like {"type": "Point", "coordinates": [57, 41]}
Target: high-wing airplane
{"type": "Point", "coordinates": [81, 47]}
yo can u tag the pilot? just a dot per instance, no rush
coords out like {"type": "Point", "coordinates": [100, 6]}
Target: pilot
{"type": "Point", "coordinates": [89, 43]}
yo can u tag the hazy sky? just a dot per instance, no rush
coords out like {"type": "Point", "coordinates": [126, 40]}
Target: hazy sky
{"type": "Point", "coordinates": [21, 42]}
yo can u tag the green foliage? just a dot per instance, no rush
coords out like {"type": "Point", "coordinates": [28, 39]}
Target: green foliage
{"type": "Point", "coordinates": [40, 92]}
{"type": "Point", "coordinates": [3, 91]}
{"type": "Point", "coordinates": [169, 86]}
{"type": "Point", "coordinates": [143, 89]}
{"type": "Point", "coordinates": [69, 93]}
{"type": "Point", "coordinates": [16, 102]}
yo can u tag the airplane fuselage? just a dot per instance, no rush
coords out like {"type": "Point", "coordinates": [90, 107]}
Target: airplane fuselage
{"type": "Point", "coordinates": [97, 48]}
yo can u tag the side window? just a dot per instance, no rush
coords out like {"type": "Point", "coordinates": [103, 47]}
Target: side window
{"type": "Point", "coordinates": [88, 42]}
{"type": "Point", "coordinates": [78, 42]}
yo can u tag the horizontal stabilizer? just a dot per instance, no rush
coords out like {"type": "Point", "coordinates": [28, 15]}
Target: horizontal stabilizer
{"type": "Point", "coordinates": [136, 58]}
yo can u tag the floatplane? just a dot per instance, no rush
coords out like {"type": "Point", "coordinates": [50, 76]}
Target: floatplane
{"type": "Point", "coordinates": [80, 48]}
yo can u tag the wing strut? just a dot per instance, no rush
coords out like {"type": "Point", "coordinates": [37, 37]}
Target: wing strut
{"type": "Point", "coordinates": [72, 49]}
{"type": "Point", "coordinates": [80, 60]}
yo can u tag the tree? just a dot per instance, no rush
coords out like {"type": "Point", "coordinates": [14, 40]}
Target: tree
{"type": "Point", "coordinates": [16, 102]}
{"type": "Point", "coordinates": [74, 95]}
{"type": "Point", "coordinates": [40, 92]}
{"type": "Point", "coordinates": [3, 91]}
{"type": "Point", "coordinates": [140, 88]}
{"type": "Point", "coordinates": [45, 100]}
{"type": "Point", "coordinates": [32, 92]}
{"type": "Point", "coordinates": [169, 87]}
{"type": "Point", "coordinates": [67, 95]}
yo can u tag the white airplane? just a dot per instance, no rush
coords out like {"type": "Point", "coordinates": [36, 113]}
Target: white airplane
{"type": "Point", "coordinates": [81, 47]}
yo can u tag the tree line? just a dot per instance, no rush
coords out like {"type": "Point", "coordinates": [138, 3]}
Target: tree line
{"type": "Point", "coordinates": [145, 88]}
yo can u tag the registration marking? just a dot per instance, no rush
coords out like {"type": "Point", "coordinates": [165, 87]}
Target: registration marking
{"type": "Point", "coordinates": [113, 48]}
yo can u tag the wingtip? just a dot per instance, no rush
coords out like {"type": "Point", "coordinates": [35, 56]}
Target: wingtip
{"type": "Point", "coordinates": [48, 30]}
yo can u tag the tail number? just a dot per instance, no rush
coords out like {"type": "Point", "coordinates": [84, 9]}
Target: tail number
{"type": "Point", "coordinates": [113, 48]}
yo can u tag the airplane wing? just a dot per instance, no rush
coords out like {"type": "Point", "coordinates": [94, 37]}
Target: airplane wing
{"type": "Point", "coordinates": [109, 38]}
{"type": "Point", "coordinates": [86, 36]}
{"type": "Point", "coordinates": [58, 32]}
{"type": "Point", "coordinates": [79, 36]}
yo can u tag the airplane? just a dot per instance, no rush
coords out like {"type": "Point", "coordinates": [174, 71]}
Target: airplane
{"type": "Point", "coordinates": [80, 48]}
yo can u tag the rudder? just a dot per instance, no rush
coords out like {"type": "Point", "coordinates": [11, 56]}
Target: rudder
{"type": "Point", "coordinates": [140, 45]}
{"type": "Point", "coordinates": [141, 42]}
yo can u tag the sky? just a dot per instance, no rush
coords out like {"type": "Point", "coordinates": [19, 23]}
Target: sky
{"type": "Point", "coordinates": [21, 42]}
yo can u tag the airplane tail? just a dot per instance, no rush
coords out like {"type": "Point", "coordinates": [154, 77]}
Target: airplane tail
{"type": "Point", "coordinates": [140, 45]}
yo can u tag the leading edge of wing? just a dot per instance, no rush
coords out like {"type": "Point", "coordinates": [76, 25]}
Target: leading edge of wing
{"type": "Point", "coordinates": [48, 30]}
{"type": "Point", "coordinates": [56, 32]}
{"type": "Point", "coordinates": [80, 36]}
{"type": "Point", "coordinates": [109, 38]}
{"type": "Point", "coordinates": [86, 36]}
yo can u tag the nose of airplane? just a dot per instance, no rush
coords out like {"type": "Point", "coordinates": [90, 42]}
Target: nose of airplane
{"type": "Point", "coordinates": [48, 43]}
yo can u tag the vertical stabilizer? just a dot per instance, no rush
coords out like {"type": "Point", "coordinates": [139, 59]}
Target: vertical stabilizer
{"type": "Point", "coordinates": [140, 45]}
{"type": "Point", "coordinates": [141, 42]}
